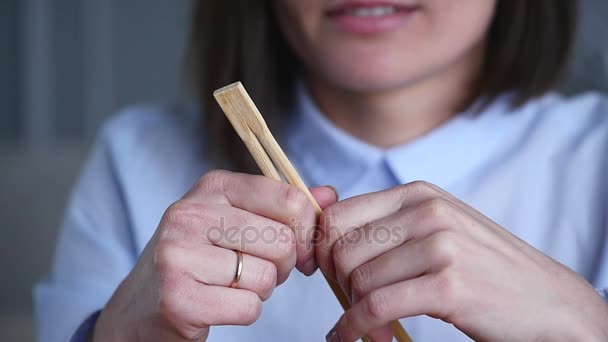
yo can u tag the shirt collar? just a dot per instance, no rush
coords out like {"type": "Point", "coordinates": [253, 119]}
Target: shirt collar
{"type": "Point", "coordinates": [456, 148]}
{"type": "Point", "coordinates": [326, 154]}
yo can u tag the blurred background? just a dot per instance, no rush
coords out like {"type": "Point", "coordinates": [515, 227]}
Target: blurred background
{"type": "Point", "coordinates": [66, 65]}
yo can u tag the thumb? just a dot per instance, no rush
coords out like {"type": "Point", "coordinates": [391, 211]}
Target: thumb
{"type": "Point", "coordinates": [325, 195]}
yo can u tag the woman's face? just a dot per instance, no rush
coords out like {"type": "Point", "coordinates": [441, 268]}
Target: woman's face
{"type": "Point", "coordinates": [371, 45]}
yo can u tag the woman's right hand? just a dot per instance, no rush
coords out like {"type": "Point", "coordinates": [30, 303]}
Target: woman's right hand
{"type": "Point", "coordinates": [181, 284]}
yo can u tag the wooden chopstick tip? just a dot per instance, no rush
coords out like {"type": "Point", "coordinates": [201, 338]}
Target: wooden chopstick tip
{"type": "Point", "coordinates": [228, 88]}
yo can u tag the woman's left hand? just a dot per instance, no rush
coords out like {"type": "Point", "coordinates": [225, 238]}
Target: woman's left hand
{"type": "Point", "coordinates": [416, 250]}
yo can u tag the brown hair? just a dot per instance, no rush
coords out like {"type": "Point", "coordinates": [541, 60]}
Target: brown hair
{"type": "Point", "coordinates": [528, 46]}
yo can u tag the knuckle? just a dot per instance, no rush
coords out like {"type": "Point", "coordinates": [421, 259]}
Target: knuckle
{"type": "Point", "coordinates": [421, 187]}
{"type": "Point", "coordinates": [435, 208]}
{"type": "Point", "coordinates": [331, 217]}
{"type": "Point", "coordinates": [266, 278]}
{"type": "Point", "coordinates": [377, 305]}
{"type": "Point", "coordinates": [163, 258]}
{"type": "Point", "coordinates": [295, 201]}
{"type": "Point", "coordinates": [186, 219]}
{"type": "Point", "coordinates": [341, 253]}
{"type": "Point", "coordinates": [212, 180]}
{"type": "Point", "coordinates": [330, 227]}
{"type": "Point", "coordinates": [251, 310]}
{"type": "Point", "coordinates": [179, 214]}
{"type": "Point", "coordinates": [444, 248]}
{"type": "Point", "coordinates": [361, 280]}
{"type": "Point", "coordinates": [285, 246]}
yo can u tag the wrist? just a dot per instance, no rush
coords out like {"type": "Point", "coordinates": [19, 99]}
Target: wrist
{"type": "Point", "coordinates": [108, 330]}
{"type": "Point", "coordinates": [101, 329]}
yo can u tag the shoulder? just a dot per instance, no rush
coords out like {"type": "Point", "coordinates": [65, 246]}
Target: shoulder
{"type": "Point", "coordinates": [152, 134]}
{"type": "Point", "coordinates": [552, 139]}
{"type": "Point", "coordinates": [567, 137]}
{"type": "Point", "coordinates": [556, 116]}
{"type": "Point", "coordinates": [133, 125]}
{"type": "Point", "coordinates": [555, 126]}
{"type": "Point", "coordinates": [585, 106]}
{"type": "Point", "coordinates": [154, 147]}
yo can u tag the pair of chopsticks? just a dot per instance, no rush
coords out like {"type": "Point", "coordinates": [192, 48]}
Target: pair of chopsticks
{"type": "Point", "coordinates": [252, 129]}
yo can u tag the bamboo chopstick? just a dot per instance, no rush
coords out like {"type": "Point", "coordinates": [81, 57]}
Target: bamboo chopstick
{"type": "Point", "coordinates": [249, 124]}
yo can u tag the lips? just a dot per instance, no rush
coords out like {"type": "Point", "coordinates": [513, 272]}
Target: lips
{"type": "Point", "coordinates": [370, 8]}
{"type": "Point", "coordinates": [370, 17]}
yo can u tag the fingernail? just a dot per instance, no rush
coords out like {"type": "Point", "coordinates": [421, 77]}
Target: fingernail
{"type": "Point", "coordinates": [335, 191]}
{"type": "Point", "coordinates": [310, 267]}
{"type": "Point", "coordinates": [333, 335]}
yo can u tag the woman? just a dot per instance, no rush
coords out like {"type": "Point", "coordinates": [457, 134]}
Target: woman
{"type": "Point", "coordinates": [505, 239]}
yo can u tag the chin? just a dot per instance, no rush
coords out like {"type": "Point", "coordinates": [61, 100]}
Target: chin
{"type": "Point", "coordinates": [369, 81]}
{"type": "Point", "coordinates": [365, 75]}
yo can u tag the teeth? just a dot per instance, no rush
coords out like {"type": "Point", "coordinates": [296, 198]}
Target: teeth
{"type": "Point", "coordinates": [379, 11]}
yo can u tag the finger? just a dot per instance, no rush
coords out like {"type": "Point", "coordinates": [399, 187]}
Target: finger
{"type": "Point", "coordinates": [217, 266]}
{"type": "Point", "coordinates": [406, 299]}
{"type": "Point", "coordinates": [384, 334]}
{"type": "Point", "coordinates": [305, 231]}
{"type": "Point", "coordinates": [257, 194]}
{"type": "Point", "coordinates": [479, 227]}
{"type": "Point", "coordinates": [408, 261]}
{"type": "Point", "coordinates": [359, 246]}
{"type": "Point", "coordinates": [484, 236]}
{"type": "Point", "coordinates": [360, 210]}
{"type": "Point", "coordinates": [204, 306]}
{"type": "Point", "coordinates": [411, 223]}
{"type": "Point", "coordinates": [257, 236]}
{"type": "Point", "coordinates": [307, 263]}
{"type": "Point", "coordinates": [348, 215]}
{"type": "Point", "coordinates": [265, 197]}
{"type": "Point", "coordinates": [197, 224]}
{"type": "Point", "coordinates": [325, 195]}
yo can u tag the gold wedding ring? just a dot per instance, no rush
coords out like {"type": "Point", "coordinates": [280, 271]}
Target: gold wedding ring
{"type": "Point", "coordinates": [239, 269]}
